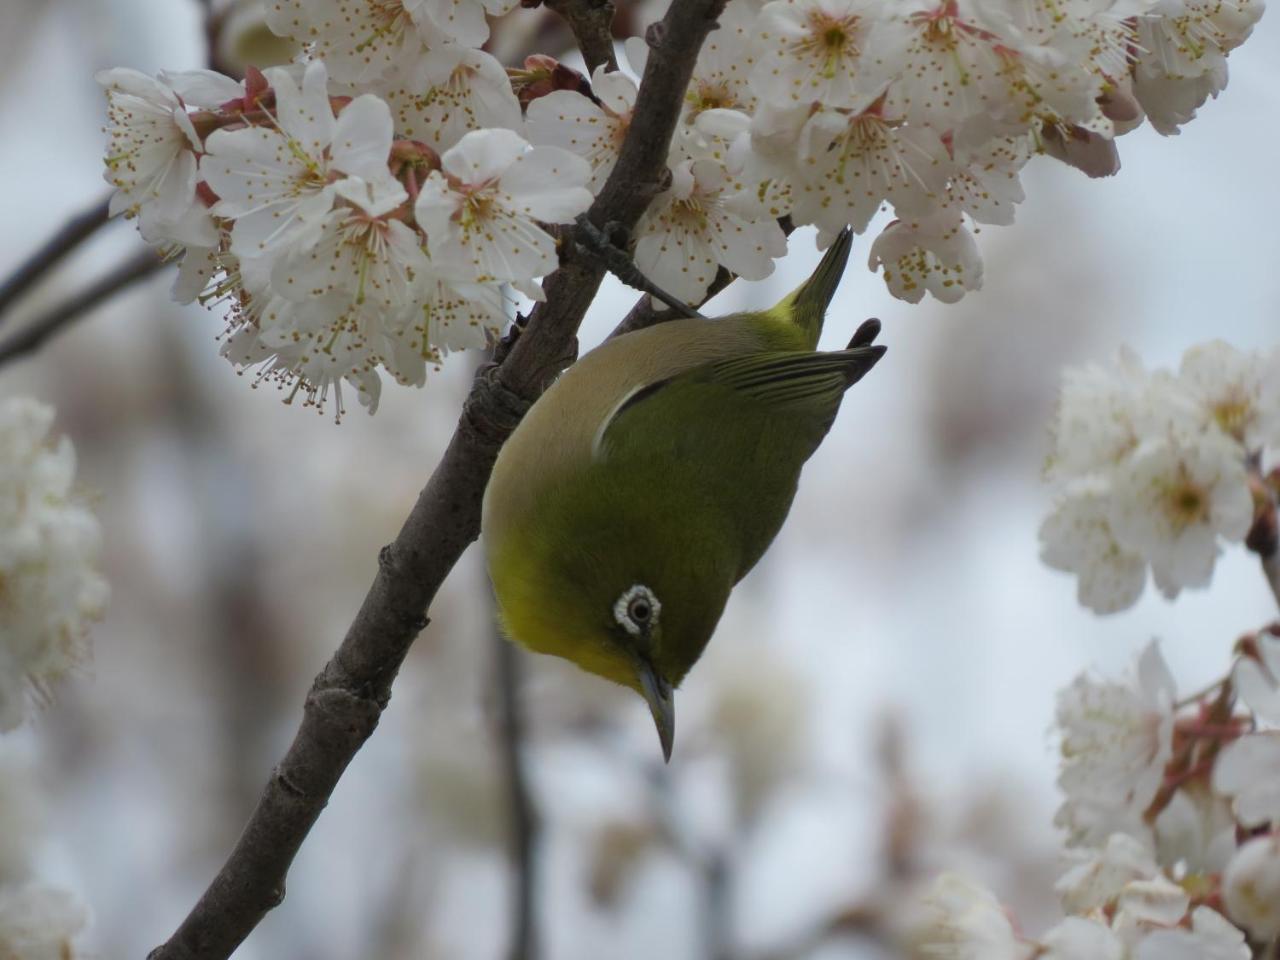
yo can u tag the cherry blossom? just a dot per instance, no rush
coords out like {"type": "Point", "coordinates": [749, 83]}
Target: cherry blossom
{"type": "Point", "coordinates": [38, 922]}
{"type": "Point", "coordinates": [1080, 938]}
{"type": "Point", "coordinates": [703, 221]}
{"type": "Point", "coordinates": [481, 211]}
{"type": "Point", "coordinates": [1239, 391]}
{"type": "Point", "coordinates": [1095, 424]}
{"type": "Point", "coordinates": [1211, 937]}
{"type": "Point", "coordinates": [1152, 470]}
{"type": "Point", "coordinates": [1116, 741]}
{"type": "Point", "coordinates": [360, 40]}
{"type": "Point", "coordinates": [1174, 499]}
{"type": "Point", "coordinates": [1077, 537]}
{"type": "Point", "coordinates": [1257, 680]}
{"type": "Point", "coordinates": [274, 179]}
{"type": "Point", "coordinates": [1251, 887]}
{"type": "Point", "coordinates": [151, 158]}
{"type": "Point", "coordinates": [1182, 52]}
{"type": "Point", "coordinates": [962, 920]}
{"type": "Point", "coordinates": [935, 254]}
{"type": "Point", "coordinates": [850, 163]}
{"type": "Point", "coordinates": [1248, 771]}
{"type": "Point", "coordinates": [49, 547]}
{"type": "Point", "coordinates": [449, 94]}
{"type": "Point", "coordinates": [462, 20]}
{"type": "Point", "coordinates": [812, 51]}
{"type": "Point", "coordinates": [827, 112]}
{"type": "Point", "coordinates": [594, 131]}
{"type": "Point", "coordinates": [1101, 874]}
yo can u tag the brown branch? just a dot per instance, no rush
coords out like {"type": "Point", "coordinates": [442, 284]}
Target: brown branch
{"type": "Point", "coordinates": [522, 815]}
{"type": "Point", "coordinates": [592, 24]}
{"type": "Point", "coordinates": [1271, 570]}
{"type": "Point", "coordinates": [347, 698]}
{"type": "Point", "coordinates": [32, 336]}
{"type": "Point", "coordinates": [1263, 537]}
{"type": "Point", "coordinates": [73, 233]}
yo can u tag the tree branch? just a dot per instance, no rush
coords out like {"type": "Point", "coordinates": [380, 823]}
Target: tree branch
{"type": "Point", "coordinates": [522, 815]}
{"type": "Point", "coordinates": [32, 336]}
{"type": "Point", "coordinates": [347, 698]}
{"type": "Point", "coordinates": [592, 24]}
{"type": "Point", "coordinates": [74, 232]}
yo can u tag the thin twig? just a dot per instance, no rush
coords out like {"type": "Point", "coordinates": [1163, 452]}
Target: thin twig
{"type": "Point", "coordinates": [348, 697]}
{"type": "Point", "coordinates": [644, 314]}
{"type": "Point", "coordinates": [32, 336]}
{"type": "Point", "coordinates": [72, 233]}
{"type": "Point", "coordinates": [522, 815]}
{"type": "Point", "coordinates": [592, 24]}
{"type": "Point", "coordinates": [717, 914]}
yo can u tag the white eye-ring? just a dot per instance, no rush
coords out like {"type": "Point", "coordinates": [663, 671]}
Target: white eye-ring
{"type": "Point", "coordinates": [637, 609]}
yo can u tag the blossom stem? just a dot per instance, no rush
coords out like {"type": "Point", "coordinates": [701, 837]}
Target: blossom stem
{"type": "Point", "coordinates": [1210, 731]}
{"type": "Point", "coordinates": [1190, 762]}
{"type": "Point", "coordinates": [72, 233]}
{"type": "Point", "coordinates": [1199, 694]}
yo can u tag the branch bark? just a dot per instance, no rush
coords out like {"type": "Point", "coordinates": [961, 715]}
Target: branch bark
{"type": "Point", "coordinates": [32, 336]}
{"type": "Point", "coordinates": [592, 24]}
{"type": "Point", "coordinates": [347, 698]}
{"type": "Point", "coordinates": [73, 233]}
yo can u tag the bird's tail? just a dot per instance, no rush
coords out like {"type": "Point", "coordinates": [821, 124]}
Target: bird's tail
{"type": "Point", "coordinates": [806, 306]}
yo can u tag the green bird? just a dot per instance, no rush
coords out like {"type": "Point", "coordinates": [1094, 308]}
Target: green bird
{"type": "Point", "coordinates": [650, 478]}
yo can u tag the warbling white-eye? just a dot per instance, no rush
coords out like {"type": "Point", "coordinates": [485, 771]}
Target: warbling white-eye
{"type": "Point", "coordinates": [650, 478]}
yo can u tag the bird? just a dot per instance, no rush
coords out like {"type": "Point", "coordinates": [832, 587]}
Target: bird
{"type": "Point", "coordinates": [649, 479]}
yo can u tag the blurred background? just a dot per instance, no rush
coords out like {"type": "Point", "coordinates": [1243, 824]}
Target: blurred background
{"type": "Point", "coordinates": [876, 706]}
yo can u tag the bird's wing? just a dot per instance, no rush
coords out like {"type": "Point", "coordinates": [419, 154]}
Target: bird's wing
{"type": "Point", "coordinates": [804, 380]}
{"type": "Point", "coordinates": [786, 384]}
{"type": "Point", "coordinates": [726, 439]}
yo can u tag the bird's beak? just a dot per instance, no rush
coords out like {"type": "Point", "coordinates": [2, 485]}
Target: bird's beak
{"type": "Point", "coordinates": [659, 695]}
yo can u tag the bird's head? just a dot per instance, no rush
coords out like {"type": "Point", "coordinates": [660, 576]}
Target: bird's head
{"type": "Point", "coordinates": [637, 609]}
{"type": "Point", "coordinates": [637, 612]}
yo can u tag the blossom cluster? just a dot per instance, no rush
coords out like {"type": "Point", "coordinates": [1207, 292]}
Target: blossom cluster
{"type": "Point", "coordinates": [341, 246]}
{"type": "Point", "coordinates": [1156, 469]}
{"type": "Point", "coordinates": [50, 587]}
{"type": "Point", "coordinates": [1172, 811]}
{"type": "Point", "coordinates": [825, 111]}
{"type": "Point", "coordinates": [366, 208]}
{"type": "Point", "coordinates": [50, 592]}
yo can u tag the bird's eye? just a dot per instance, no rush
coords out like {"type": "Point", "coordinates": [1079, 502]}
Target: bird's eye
{"type": "Point", "coordinates": [637, 609]}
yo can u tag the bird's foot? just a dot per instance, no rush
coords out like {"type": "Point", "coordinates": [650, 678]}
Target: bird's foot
{"type": "Point", "coordinates": [608, 247]}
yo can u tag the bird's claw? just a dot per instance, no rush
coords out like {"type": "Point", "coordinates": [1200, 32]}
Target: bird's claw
{"type": "Point", "coordinates": [608, 246]}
